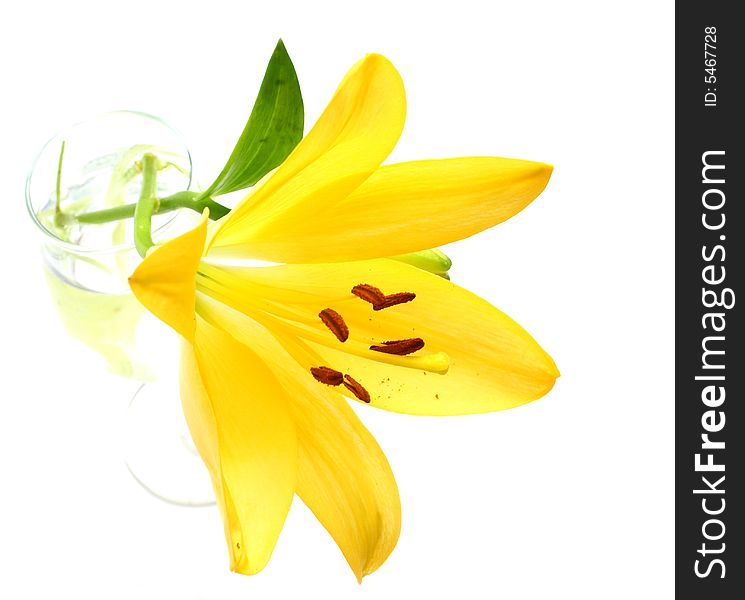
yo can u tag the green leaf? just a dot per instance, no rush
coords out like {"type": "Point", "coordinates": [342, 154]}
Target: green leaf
{"type": "Point", "coordinates": [274, 128]}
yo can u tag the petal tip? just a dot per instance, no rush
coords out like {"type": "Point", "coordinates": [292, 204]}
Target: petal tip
{"type": "Point", "coordinates": [376, 57]}
{"type": "Point", "coordinates": [543, 171]}
{"type": "Point", "coordinates": [165, 281]}
{"type": "Point", "coordinates": [549, 366]}
{"type": "Point", "coordinates": [551, 375]}
{"type": "Point", "coordinates": [240, 564]}
{"type": "Point", "coordinates": [550, 372]}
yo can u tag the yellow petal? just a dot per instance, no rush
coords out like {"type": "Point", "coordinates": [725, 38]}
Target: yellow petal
{"type": "Point", "coordinates": [493, 362]}
{"type": "Point", "coordinates": [353, 136]}
{"type": "Point", "coordinates": [238, 416]}
{"type": "Point", "coordinates": [402, 208]}
{"type": "Point", "coordinates": [346, 481]}
{"type": "Point", "coordinates": [344, 477]}
{"type": "Point", "coordinates": [165, 281]}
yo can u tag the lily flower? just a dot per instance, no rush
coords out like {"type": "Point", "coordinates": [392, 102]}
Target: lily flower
{"type": "Point", "coordinates": [272, 353]}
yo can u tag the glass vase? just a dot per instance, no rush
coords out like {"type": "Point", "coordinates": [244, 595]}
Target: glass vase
{"type": "Point", "coordinates": [95, 166]}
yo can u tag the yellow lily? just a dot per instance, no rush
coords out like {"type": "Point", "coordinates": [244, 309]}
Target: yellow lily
{"type": "Point", "coordinates": [271, 352]}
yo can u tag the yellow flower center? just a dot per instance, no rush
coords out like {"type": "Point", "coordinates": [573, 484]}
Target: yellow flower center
{"type": "Point", "coordinates": [287, 320]}
{"type": "Point", "coordinates": [336, 324]}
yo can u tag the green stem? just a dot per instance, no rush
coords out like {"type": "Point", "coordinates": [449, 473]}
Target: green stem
{"type": "Point", "coordinates": [178, 200]}
{"type": "Point", "coordinates": [146, 205]}
{"type": "Point", "coordinates": [58, 188]}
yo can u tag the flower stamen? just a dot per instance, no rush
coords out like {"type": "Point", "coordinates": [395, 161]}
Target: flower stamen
{"type": "Point", "coordinates": [394, 299]}
{"type": "Point", "coordinates": [379, 300]}
{"type": "Point", "coordinates": [368, 293]}
{"type": "Point", "coordinates": [335, 322]}
{"type": "Point", "coordinates": [356, 388]}
{"type": "Point", "coordinates": [400, 347]}
{"type": "Point", "coordinates": [327, 375]}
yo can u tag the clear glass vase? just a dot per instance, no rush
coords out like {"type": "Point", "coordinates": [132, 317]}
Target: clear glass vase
{"type": "Point", "coordinates": [94, 166]}
{"type": "Point", "coordinates": [87, 266]}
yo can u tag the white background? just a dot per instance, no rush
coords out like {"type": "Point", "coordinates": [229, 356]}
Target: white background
{"type": "Point", "coordinates": [568, 497]}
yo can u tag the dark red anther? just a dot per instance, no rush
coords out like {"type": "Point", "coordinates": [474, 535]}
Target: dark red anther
{"type": "Point", "coordinates": [356, 388]}
{"type": "Point", "coordinates": [327, 375]}
{"type": "Point", "coordinates": [369, 293]}
{"type": "Point", "coordinates": [400, 347]}
{"type": "Point", "coordinates": [334, 321]}
{"type": "Point", "coordinates": [393, 299]}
